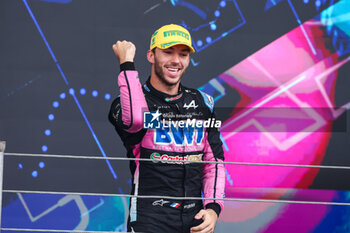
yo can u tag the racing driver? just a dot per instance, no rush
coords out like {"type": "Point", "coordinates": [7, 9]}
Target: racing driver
{"type": "Point", "coordinates": [175, 127]}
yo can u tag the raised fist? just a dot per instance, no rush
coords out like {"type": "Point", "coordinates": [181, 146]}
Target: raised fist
{"type": "Point", "coordinates": [124, 50]}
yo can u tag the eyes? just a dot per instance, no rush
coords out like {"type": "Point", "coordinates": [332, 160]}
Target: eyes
{"type": "Point", "coordinates": [181, 54]}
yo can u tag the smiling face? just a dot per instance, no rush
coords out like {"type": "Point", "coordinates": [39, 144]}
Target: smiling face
{"type": "Point", "coordinates": [168, 65]}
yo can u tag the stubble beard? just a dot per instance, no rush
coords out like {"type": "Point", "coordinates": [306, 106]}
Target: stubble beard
{"type": "Point", "coordinates": [160, 74]}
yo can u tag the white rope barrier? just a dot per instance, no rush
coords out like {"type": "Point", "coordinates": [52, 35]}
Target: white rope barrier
{"type": "Point", "coordinates": [161, 197]}
{"type": "Point", "coordinates": [175, 161]}
{"type": "Point", "coordinates": [184, 198]}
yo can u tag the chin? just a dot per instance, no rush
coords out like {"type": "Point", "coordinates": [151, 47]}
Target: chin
{"type": "Point", "coordinates": [172, 81]}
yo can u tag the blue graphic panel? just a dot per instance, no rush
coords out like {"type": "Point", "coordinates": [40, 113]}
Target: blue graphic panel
{"type": "Point", "coordinates": [66, 212]}
{"type": "Point", "coordinates": [215, 20]}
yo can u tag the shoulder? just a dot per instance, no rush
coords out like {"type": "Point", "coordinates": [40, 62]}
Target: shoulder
{"type": "Point", "coordinates": [208, 100]}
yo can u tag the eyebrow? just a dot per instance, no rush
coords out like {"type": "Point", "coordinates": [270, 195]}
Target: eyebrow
{"type": "Point", "coordinates": [183, 50]}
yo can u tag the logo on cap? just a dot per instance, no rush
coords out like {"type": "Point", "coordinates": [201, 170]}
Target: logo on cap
{"type": "Point", "coordinates": [170, 35]}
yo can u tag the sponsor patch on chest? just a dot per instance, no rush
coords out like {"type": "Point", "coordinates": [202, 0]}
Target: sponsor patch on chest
{"type": "Point", "coordinates": [156, 157]}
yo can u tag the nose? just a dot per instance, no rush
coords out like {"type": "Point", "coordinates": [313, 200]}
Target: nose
{"type": "Point", "coordinates": [175, 58]}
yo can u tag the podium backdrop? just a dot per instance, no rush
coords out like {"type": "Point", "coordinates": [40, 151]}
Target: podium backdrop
{"type": "Point", "coordinates": [277, 69]}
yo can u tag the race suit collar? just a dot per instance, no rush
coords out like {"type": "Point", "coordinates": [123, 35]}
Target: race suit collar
{"type": "Point", "coordinates": [166, 97]}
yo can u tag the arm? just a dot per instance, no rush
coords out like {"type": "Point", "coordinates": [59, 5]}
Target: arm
{"type": "Point", "coordinates": [213, 176]}
{"type": "Point", "coordinates": [213, 183]}
{"type": "Point", "coordinates": [214, 173]}
{"type": "Point", "coordinates": [132, 100]}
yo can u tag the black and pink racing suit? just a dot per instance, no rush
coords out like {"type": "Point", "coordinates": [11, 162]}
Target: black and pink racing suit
{"type": "Point", "coordinates": [172, 147]}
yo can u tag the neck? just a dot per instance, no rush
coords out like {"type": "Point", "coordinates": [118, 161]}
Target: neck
{"type": "Point", "coordinates": [163, 87]}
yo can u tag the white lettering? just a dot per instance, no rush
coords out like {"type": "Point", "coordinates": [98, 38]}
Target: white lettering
{"type": "Point", "coordinates": [191, 105]}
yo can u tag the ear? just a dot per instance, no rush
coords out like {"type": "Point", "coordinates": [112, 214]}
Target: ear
{"type": "Point", "coordinates": [150, 56]}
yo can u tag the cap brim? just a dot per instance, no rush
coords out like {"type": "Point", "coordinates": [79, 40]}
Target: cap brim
{"type": "Point", "coordinates": [190, 47]}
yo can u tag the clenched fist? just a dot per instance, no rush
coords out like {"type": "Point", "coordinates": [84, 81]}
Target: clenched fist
{"type": "Point", "coordinates": [124, 50]}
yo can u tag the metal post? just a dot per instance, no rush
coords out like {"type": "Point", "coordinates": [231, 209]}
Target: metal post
{"type": "Point", "coordinates": [2, 150]}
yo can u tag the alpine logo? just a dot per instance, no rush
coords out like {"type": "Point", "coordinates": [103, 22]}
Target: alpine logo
{"type": "Point", "coordinates": [191, 105]}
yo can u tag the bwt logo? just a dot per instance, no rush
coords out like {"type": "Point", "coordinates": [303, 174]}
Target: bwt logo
{"type": "Point", "coordinates": [151, 120]}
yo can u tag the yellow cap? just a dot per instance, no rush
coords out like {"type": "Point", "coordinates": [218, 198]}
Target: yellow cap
{"type": "Point", "coordinates": [170, 35]}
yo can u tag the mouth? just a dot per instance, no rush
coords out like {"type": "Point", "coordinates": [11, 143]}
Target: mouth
{"type": "Point", "coordinates": [173, 70]}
